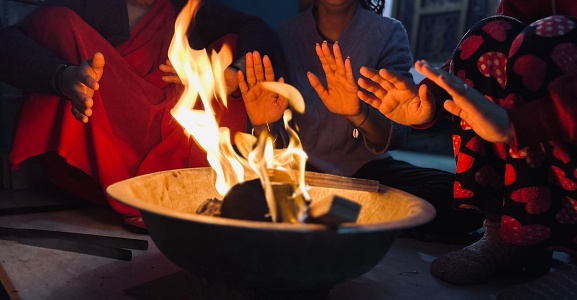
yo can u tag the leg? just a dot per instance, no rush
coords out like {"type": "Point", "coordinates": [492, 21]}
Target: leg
{"type": "Point", "coordinates": [127, 111]}
{"type": "Point", "coordinates": [480, 60]}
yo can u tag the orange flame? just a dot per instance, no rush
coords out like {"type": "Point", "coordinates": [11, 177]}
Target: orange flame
{"type": "Point", "coordinates": [203, 77]}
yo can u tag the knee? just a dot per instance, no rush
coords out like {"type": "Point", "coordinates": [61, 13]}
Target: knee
{"type": "Point", "coordinates": [51, 21]}
{"type": "Point", "coordinates": [492, 34]}
{"type": "Point", "coordinates": [543, 35]}
{"type": "Point", "coordinates": [547, 46]}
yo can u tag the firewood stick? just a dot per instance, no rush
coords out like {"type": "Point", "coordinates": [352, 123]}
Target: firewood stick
{"type": "Point", "coordinates": [334, 210]}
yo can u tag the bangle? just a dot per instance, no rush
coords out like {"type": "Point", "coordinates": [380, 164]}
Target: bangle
{"type": "Point", "coordinates": [270, 132]}
{"type": "Point", "coordinates": [356, 128]}
{"type": "Point", "coordinates": [56, 79]}
{"type": "Point", "coordinates": [235, 67]}
{"type": "Point", "coordinates": [236, 94]}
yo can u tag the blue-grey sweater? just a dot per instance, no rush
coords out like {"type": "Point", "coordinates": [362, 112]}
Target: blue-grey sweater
{"type": "Point", "coordinates": [370, 40]}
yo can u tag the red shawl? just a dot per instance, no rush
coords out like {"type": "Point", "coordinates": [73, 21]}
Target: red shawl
{"type": "Point", "coordinates": [131, 131]}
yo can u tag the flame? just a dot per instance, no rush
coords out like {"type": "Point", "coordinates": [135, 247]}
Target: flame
{"type": "Point", "coordinates": [203, 78]}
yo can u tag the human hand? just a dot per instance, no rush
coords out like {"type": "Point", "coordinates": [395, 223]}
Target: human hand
{"type": "Point", "coordinates": [340, 96]}
{"type": "Point", "coordinates": [170, 76]}
{"type": "Point", "coordinates": [486, 118]}
{"type": "Point", "coordinates": [78, 84]}
{"type": "Point", "coordinates": [262, 106]}
{"type": "Point", "coordinates": [396, 97]}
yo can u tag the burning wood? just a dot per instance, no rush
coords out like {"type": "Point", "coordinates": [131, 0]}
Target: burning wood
{"type": "Point", "coordinates": [246, 201]}
{"type": "Point", "coordinates": [334, 210]}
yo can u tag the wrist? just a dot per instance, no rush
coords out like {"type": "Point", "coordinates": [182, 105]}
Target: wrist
{"type": "Point", "coordinates": [270, 128]}
{"type": "Point", "coordinates": [56, 81]}
{"type": "Point", "coordinates": [357, 119]}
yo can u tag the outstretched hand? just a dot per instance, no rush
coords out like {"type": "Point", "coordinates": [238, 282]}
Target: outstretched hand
{"type": "Point", "coordinates": [78, 84]}
{"type": "Point", "coordinates": [486, 118]}
{"type": "Point", "coordinates": [396, 97]}
{"type": "Point", "coordinates": [340, 95]}
{"type": "Point", "coordinates": [262, 106]}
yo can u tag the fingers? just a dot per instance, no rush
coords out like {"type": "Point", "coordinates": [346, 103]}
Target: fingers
{"type": "Point", "coordinates": [324, 62]}
{"type": "Point", "coordinates": [257, 70]}
{"type": "Point", "coordinates": [348, 71]}
{"type": "Point", "coordinates": [427, 96]}
{"type": "Point", "coordinates": [258, 67]}
{"type": "Point", "coordinates": [450, 83]}
{"type": "Point", "coordinates": [84, 80]}
{"type": "Point", "coordinates": [372, 87]}
{"type": "Point", "coordinates": [82, 100]}
{"type": "Point", "coordinates": [431, 72]}
{"type": "Point", "coordinates": [79, 116]}
{"type": "Point", "coordinates": [81, 108]}
{"type": "Point", "coordinates": [338, 59]}
{"type": "Point", "coordinates": [250, 77]}
{"type": "Point", "coordinates": [367, 72]}
{"type": "Point", "coordinates": [392, 80]}
{"type": "Point", "coordinates": [370, 99]}
{"type": "Point", "coordinates": [167, 68]}
{"type": "Point", "coordinates": [172, 79]}
{"type": "Point", "coordinates": [97, 68]}
{"type": "Point", "coordinates": [171, 76]}
{"type": "Point", "coordinates": [89, 81]}
{"type": "Point", "coordinates": [374, 83]}
{"type": "Point", "coordinates": [376, 80]}
{"type": "Point", "coordinates": [452, 108]}
{"type": "Point", "coordinates": [98, 63]}
{"type": "Point", "coordinates": [317, 86]}
{"type": "Point", "coordinates": [329, 58]}
{"type": "Point", "coordinates": [242, 85]}
{"type": "Point", "coordinates": [268, 69]}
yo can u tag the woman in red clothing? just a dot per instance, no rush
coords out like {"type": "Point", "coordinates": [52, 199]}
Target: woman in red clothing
{"type": "Point", "coordinates": [105, 58]}
{"type": "Point", "coordinates": [512, 85]}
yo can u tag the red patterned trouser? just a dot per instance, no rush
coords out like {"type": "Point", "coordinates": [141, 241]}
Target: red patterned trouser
{"type": "Point", "coordinates": [534, 188]}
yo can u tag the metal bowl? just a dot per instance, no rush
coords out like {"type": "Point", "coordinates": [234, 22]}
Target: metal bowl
{"type": "Point", "coordinates": [262, 255]}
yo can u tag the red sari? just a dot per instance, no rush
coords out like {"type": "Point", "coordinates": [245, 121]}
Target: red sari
{"type": "Point", "coordinates": [131, 131]}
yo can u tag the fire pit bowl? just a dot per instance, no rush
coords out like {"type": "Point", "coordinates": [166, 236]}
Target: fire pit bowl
{"type": "Point", "coordinates": [266, 256]}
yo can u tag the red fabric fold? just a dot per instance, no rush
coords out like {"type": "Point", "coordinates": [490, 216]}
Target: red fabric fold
{"type": "Point", "coordinates": [131, 131]}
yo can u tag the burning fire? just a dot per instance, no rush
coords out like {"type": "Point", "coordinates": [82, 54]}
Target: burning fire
{"type": "Point", "coordinates": [203, 77]}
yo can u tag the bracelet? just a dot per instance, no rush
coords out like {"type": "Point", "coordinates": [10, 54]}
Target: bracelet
{"type": "Point", "coordinates": [356, 128]}
{"type": "Point", "coordinates": [268, 129]}
{"type": "Point", "coordinates": [56, 79]}
{"type": "Point", "coordinates": [237, 95]}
